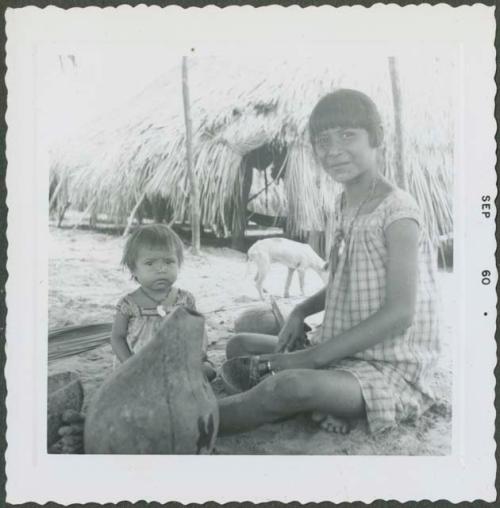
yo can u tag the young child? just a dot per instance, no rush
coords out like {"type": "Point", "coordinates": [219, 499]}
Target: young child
{"type": "Point", "coordinates": [379, 340]}
{"type": "Point", "coordinates": [154, 255]}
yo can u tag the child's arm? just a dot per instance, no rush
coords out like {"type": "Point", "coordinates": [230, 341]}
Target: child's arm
{"type": "Point", "coordinates": [119, 337]}
{"type": "Point", "coordinates": [190, 302]}
{"type": "Point", "coordinates": [394, 316]}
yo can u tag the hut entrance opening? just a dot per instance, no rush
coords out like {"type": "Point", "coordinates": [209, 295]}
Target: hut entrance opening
{"type": "Point", "coordinates": [271, 155]}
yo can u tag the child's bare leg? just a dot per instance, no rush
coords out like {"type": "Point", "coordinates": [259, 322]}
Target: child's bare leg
{"type": "Point", "coordinates": [290, 392]}
{"type": "Point", "coordinates": [244, 344]}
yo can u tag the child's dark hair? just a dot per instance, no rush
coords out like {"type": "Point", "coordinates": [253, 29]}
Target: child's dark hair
{"type": "Point", "coordinates": [151, 235]}
{"type": "Point", "coordinates": [346, 108]}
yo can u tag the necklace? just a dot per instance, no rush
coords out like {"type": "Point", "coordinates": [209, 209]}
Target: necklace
{"type": "Point", "coordinates": [347, 232]}
{"type": "Point", "coordinates": [342, 235]}
{"type": "Point", "coordinates": [159, 307]}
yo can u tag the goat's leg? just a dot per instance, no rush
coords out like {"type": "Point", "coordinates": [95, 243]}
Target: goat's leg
{"type": "Point", "coordinates": [262, 269]}
{"type": "Point", "coordinates": [301, 281]}
{"type": "Point", "coordinates": [288, 282]}
{"type": "Point", "coordinates": [258, 284]}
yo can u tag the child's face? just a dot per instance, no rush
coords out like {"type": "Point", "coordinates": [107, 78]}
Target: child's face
{"type": "Point", "coordinates": [156, 268]}
{"type": "Point", "coordinates": [345, 153]}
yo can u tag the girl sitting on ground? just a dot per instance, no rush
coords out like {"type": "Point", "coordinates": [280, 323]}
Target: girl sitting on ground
{"type": "Point", "coordinates": [154, 255]}
{"type": "Point", "coordinates": [374, 354]}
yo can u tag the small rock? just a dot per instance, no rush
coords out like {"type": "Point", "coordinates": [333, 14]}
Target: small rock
{"type": "Point", "coordinates": [75, 429]}
{"type": "Point", "coordinates": [64, 431]}
{"type": "Point", "coordinates": [72, 416]}
{"type": "Point", "coordinates": [72, 440]}
{"type": "Point", "coordinates": [56, 447]}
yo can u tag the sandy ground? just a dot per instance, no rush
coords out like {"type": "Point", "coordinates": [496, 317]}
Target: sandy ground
{"type": "Point", "coordinates": [86, 281]}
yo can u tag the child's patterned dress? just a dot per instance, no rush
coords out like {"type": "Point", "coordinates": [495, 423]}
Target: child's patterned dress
{"type": "Point", "coordinates": [144, 322]}
{"type": "Point", "coordinates": [394, 374]}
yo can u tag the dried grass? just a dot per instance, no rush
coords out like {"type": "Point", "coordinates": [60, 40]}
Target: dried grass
{"type": "Point", "coordinates": [239, 106]}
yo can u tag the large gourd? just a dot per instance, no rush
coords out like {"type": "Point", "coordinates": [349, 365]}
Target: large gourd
{"type": "Point", "coordinates": [257, 319]}
{"type": "Point", "coordinates": [158, 401]}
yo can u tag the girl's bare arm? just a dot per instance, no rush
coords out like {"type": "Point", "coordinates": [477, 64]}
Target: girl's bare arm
{"type": "Point", "coordinates": [119, 337]}
{"type": "Point", "coordinates": [293, 329]}
{"type": "Point", "coordinates": [311, 305]}
{"type": "Point", "coordinates": [395, 316]}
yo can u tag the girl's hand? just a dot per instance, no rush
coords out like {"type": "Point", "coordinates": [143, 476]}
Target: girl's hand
{"type": "Point", "coordinates": [292, 330]}
{"type": "Point", "coordinates": [276, 362]}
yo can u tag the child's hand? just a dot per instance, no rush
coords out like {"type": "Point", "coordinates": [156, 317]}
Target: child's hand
{"type": "Point", "coordinates": [292, 331]}
{"type": "Point", "coordinates": [209, 371]}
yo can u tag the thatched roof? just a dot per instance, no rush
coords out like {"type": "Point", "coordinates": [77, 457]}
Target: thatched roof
{"type": "Point", "coordinates": [238, 106]}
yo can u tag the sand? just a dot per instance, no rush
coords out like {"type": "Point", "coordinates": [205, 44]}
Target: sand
{"type": "Point", "coordinates": [86, 281]}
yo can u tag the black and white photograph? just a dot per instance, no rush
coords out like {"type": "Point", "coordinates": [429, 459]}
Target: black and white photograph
{"type": "Point", "coordinates": [254, 251]}
{"type": "Point", "coordinates": [298, 165]}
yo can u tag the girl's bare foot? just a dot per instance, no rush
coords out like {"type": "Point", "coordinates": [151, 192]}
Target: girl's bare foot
{"type": "Point", "coordinates": [331, 423]}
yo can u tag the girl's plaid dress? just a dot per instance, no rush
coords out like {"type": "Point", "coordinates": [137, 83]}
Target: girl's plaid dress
{"type": "Point", "coordinates": [394, 374]}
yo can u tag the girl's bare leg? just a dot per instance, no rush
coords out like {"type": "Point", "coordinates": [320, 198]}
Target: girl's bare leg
{"type": "Point", "coordinates": [289, 392]}
{"type": "Point", "coordinates": [331, 423]}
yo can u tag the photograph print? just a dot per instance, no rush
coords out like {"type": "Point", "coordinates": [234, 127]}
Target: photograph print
{"type": "Point", "coordinates": [251, 254]}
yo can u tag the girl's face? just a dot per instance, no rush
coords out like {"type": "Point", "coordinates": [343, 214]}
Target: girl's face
{"type": "Point", "coordinates": [345, 153]}
{"type": "Point", "coordinates": [156, 268]}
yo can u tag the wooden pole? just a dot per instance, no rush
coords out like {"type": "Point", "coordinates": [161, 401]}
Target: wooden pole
{"type": "Point", "coordinates": [87, 211]}
{"type": "Point", "coordinates": [401, 179]}
{"type": "Point", "coordinates": [93, 218]}
{"type": "Point", "coordinates": [239, 223]}
{"type": "Point", "coordinates": [130, 219]}
{"type": "Point", "coordinates": [194, 197]}
{"type": "Point", "coordinates": [266, 185]}
{"type": "Point", "coordinates": [56, 192]}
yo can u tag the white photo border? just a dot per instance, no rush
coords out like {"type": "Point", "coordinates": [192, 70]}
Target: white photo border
{"type": "Point", "coordinates": [465, 475]}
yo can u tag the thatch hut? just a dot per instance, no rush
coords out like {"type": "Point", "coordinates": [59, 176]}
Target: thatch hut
{"type": "Point", "coordinates": [252, 114]}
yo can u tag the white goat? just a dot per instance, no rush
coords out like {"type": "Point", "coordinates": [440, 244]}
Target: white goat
{"type": "Point", "coordinates": [295, 255]}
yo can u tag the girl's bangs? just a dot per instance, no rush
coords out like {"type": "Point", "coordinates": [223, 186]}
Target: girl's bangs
{"type": "Point", "coordinates": [344, 108]}
{"type": "Point", "coordinates": [339, 115]}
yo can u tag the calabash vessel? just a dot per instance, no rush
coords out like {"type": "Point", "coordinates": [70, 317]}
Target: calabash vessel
{"type": "Point", "coordinates": [258, 319]}
{"type": "Point", "coordinates": [158, 401]}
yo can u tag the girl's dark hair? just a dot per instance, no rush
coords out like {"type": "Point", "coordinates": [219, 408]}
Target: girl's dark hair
{"type": "Point", "coordinates": [151, 235]}
{"type": "Point", "coordinates": [346, 108]}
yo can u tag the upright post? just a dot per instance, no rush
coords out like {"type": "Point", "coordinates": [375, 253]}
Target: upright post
{"type": "Point", "coordinates": [194, 196]}
{"type": "Point", "coordinates": [130, 219]}
{"type": "Point", "coordinates": [239, 222]}
{"type": "Point", "coordinates": [401, 179]}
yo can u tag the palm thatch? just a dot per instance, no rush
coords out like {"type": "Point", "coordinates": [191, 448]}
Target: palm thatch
{"type": "Point", "coordinates": [238, 106]}
{"type": "Point", "coordinates": [267, 195]}
{"type": "Point", "coordinates": [73, 340]}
